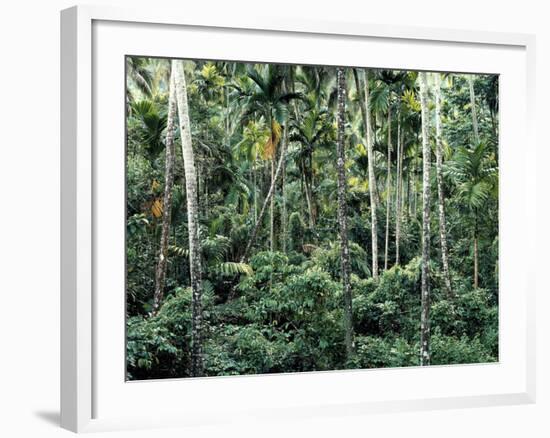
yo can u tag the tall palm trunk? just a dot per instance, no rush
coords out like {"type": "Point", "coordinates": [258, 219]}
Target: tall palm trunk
{"type": "Point", "coordinates": [388, 193]}
{"type": "Point", "coordinates": [476, 257]}
{"type": "Point", "coordinates": [367, 124]}
{"type": "Point", "coordinates": [272, 199]}
{"type": "Point", "coordinates": [283, 193]}
{"type": "Point", "coordinates": [160, 272]}
{"type": "Point", "coordinates": [440, 193]}
{"type": "Point", "coordinates": [425, 292]}
{"type": "Point", "coordinates": [255, 189]}
{"type": "Point", "coordinates": [309, 201]}
{"type": "Point", "coordinates": [284, 233]}
{"type": "Point", "coordinates": [342, 213]}
{"type": "Point", "coordinates": [192, 218]}
{"type": "Point", "coordinates": [272, 209]}
{"type": "Point", "coordinates": [398, 190]}
{"type": "Point", "coordinates": [477, 140]}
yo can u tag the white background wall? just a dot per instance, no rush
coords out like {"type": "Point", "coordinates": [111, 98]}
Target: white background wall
{"type": "Point", "coordinates": [29, 216]}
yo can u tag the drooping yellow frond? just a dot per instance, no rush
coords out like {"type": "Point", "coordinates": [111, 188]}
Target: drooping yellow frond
{"type": "Point", "coordinates": [156, 208]}
{"type": "Point", "coordinates": [270, 148]}
{"type": "Point", "coordinates": [268, 151]}
{"type": "Point", "coordinates": [276, 132]}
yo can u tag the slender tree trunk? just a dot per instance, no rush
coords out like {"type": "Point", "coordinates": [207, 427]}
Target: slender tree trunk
{"type": "Point", "coordinates": [160, 272]}
{"type": "Point", "coordinates": [272, 208]}
{"type": "Point", "coordinates": [272, 199]}
{"type": "Point", "coordinates": [473, 107]}
{"type": "Point", "coordinates": [192, 218]}
{"type": "Point", "coordinates": [342, 213]}
{"type": "Point", "coordinates": [440, 193]}
{"type": "Point", "coordinates": [227, 133]}
{"type": "Point", "coordinates": [367, 124]}
{"type": "Point", "coordinates": [477, 140]}
{"type": "Point", "coordinates": [283, 193]}
{"type": "Point", "coordinates": [254, 188]}
{"type": "Point", "coordinates": [311, 184]}
{"type": "Point", "coordinates": [476, 259]}
{"type": "Point", "coordinates": [425, 313]}
{"type": "Point", "coordinates": [398, 190]}
{"type": "Point", "coordinates": [415, 195]}
{"type": "Point", "coordinates": [267, 201]}
{"type": "Point", "coordinates": [388, 193]}
{"type": "Point", "coordinates": [308, 199]}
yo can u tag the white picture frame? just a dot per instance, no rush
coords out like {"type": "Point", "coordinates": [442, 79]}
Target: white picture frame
{"type": "Point", "coordinates": [92, 382]}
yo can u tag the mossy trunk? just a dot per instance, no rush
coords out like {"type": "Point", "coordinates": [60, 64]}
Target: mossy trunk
{"type": "Point", "coordinates": [160, 272]}
{"type": "Point", "coordinates": [192, 219]}
{"type": "Point", "coordinates": [342, 212]}
{"type": "Point", "coordinates": [440, 192]}
{"type": "Point", "coordinates": [388, 193]}
{"type": "Point", "coordinates": [425, 291]}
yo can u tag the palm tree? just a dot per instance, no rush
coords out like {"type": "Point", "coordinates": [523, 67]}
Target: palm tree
{"type": "Point", "coordinates": [270, 99]}
{"type": "Point", "coordinates": [407, 127]}
{"type": "Point", "coordinates": [425, 292]}
{"type": "Point", "coordinates": [160, 272]}
{"type": "Point", "coordinates": [139, 76]}
{"type": "Point", "coordinates": [342, 211]}
{"type": "Point", "coordinates": [192, 217]}
{"type": "Point", "coordinates": [310, 133]}
{"type": "Point", "coordinates": [475, 174]}
{"type": "Point", "coordinates": [254, 138]}
{"type": "Point", "coordinates": [367, 128]}
{"type": "Point", "coordinates": [440, 193]}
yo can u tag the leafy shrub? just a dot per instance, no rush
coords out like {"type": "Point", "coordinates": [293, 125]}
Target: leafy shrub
{"type": "Point", "coordinates": [451, 350]}
{"type": "Point", "coordinates": [329, 260]}
{"type": "Point", "coordinates": [376, 352]}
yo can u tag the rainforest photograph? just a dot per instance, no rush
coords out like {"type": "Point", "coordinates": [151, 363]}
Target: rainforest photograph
{"type": "Point", "coordinates": [301, 218]}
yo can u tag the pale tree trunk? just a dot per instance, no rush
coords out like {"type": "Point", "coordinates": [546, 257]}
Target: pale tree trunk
{"type": "Point", "coordinates": [398, 190]}
{"type": "Point", "coordinates": [440, 193]}
{"type": "Point", "coordinates": [267, 201]}
{"type": "Point", "coordinates": [476, 259]}
{"type": "Point", "coordinates": [425, 292]}
{"type": "Point", "coordinates": [255, 189]}
{"type": "Point", "coordinates": [308, 199]}
{"type": "Point", "coordinates": [367, 124]}
{"type": "Point", "coordinates": [160, 272]}
{"type": "Point", "coordinates": [192, 218]}
{"type": "Point", "coordinates": [272, 208]}
{"type": "Point", "coordinates": [477, 140]}
{"type": "Point", "coordinates": [342, 212]}
{"type": "Point", "coordinates": [388, 193]}
{"type": "Point", "coordinates": [272, 199]}
{"type": "Point", "coordinates": [283, 192]}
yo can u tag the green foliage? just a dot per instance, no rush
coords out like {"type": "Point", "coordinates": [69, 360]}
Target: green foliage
{"type": "Point", "coordinates": [376, 352]}
{"type": "Point", "coordinates": [329, 259]}
{"type": "Point", "coordinates": [447, 350]}
{"type": "Point", "coordinates": [296, 230]}
{"type": "Point", "coordinates": [282, 310]}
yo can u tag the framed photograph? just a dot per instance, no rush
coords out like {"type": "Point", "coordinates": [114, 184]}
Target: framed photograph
{"type": "Point", "coordinates": [289, 218]}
